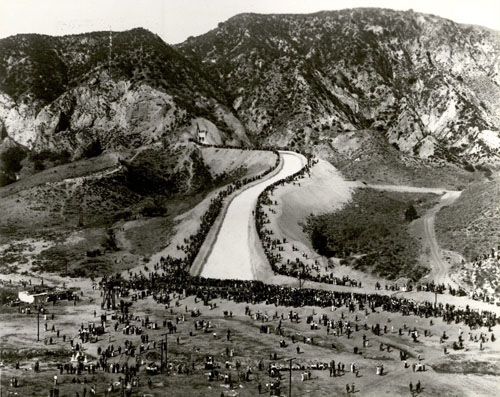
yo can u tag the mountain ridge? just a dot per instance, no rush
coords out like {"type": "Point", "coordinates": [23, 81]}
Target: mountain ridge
{"type": "Point", "coordinates": [44, 77]}
{"type": "Point", "coordinates": [426, 85]}
{"type": "Point", "coordinates": [343, 58]}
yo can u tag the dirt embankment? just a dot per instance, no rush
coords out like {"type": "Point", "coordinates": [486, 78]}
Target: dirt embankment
{"type": "Point", "coordinates": [227, 160]}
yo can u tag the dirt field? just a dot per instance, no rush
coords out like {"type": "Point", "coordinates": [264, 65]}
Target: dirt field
{"type": "Point", "coordinates": [467, 372]}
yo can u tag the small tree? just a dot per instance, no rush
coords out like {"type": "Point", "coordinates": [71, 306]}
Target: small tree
{"type": "Point", "coordinates": [411, 213]}
{"type": "Point", "coordinates": [11, 159]}
{"type": "Point", "coordinates": [110, 242]}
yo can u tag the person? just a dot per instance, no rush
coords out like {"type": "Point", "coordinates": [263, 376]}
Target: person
{"type": "Point", "coordinates": [259, 387]}
{"type": "Point", "coordinates": [347, 388]}
{"type": "Point", "coordinates": [418, 387]}
{"type": "Point", "coordinates": [411, 388]}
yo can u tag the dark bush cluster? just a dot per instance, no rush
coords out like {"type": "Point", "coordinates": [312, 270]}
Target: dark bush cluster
{"type": "Point", "coordinates": [11, 163]}
{"type": "Point", "coordinates": [48, 158]}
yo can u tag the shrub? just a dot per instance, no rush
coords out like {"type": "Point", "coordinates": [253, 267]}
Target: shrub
{"type": "Point", "coordinates": [469, 167]}
{"type": "Point", "coordinates": [411, 213]}
{"type": "Point", "coordinates": [12, 158]}
{"type": "Point", "coordinates": [93, 150]}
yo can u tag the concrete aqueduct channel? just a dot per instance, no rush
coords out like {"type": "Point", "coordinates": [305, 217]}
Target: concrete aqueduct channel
{"type": "Point", "coordinates": [232, 248]}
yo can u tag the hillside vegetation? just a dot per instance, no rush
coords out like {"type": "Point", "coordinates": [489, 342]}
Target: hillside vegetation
{"type": "Point", "coordinates": [104, 214]}
{"type": "Point", "coordinates": [367, 156]}
{"type": "Point", "coordinates": [73, 97]}
{"type": "Point", "coordinates": [471, 226]}
{"type": "Point", "coordinates": [370, 233]}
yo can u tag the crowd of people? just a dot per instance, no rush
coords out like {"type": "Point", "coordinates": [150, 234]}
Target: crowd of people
{"type": "Point", "coordinates": [171, 275]}
{"type": "Point", "coordinates": [169, 280]}
{"type": "Point", "coordinates": [272, 246]}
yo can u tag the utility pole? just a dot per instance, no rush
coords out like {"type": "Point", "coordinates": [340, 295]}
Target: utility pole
{"type": "Point", "coordinates": [38, 325]}
{"type": "Point", "coordinates": [164, 348]}
{"type": "Point", "coordinates": [290, 378]}
{"type": "Point", "coordinates": [110, 49]}
{"type": "Point", "coordinates": [161, 356]}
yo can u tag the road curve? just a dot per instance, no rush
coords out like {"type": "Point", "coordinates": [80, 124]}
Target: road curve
{"type": "Point", "coordinates": [233, 255]}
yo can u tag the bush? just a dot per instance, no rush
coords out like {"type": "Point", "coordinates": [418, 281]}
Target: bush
{"type": "Point", "coordinates": [93, 150]}
{"type": "Point", "coordinates": [5, 179]}
{"type": "Point", "coordinates": [411, 213]}
{"type": "Point", "coordinates": [49, 158]}
{"type": "Point", "coordinates": [12, 158]}
{"type": "Point", "coordinates": [153, 209]}
{"type": "Point", "coordinates": [469, 167]}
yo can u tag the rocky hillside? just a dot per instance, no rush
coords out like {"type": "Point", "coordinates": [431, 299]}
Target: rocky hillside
{"type": "Point", "coordinates": [430, 85]}
{"type": "Point", "coordinates": [416, 83]}
{"type": "Point", "coordinates": [98, 91]}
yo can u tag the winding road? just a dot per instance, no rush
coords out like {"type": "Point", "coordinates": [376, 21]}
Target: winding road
{"type": "Point", "coordinates": [234, 252]}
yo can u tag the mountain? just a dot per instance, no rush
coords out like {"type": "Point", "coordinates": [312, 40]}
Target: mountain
{"type": "Point", "coordinates": [429, 85]}
{"type": "Point", "coordinates": [422, 85]}
{"type": "Point", "coordinates": [118, 90]}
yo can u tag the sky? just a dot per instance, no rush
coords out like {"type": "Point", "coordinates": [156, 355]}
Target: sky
{"type": "Point", "coordinates": [175, 20]}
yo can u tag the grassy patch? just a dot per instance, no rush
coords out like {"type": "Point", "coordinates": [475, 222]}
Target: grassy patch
{"type": "Point", "coordinates": [151, 236]}
{"type": "Point", "coordinates": [11, 356]}
{"type": "Point", "coordinates": [370, 233]}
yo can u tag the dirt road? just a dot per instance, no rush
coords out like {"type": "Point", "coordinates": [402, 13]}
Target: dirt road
{"type": "Point", "coordinates": [440, 267]}
{"type": "Point", "coordinates": [233, 254]}
{"type": "Point", "coordinates": [425, 227]}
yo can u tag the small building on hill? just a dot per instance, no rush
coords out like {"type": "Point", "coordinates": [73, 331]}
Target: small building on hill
{"type": "Point", "coordinates": [202, 135]}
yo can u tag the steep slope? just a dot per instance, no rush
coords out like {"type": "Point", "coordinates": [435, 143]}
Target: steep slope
{"type": "Point", "coordinates": [110, 91]}
{"type": "Point", "coordinates": [471, 226]}
{"type": "Point", "coordinates": [430, 85]}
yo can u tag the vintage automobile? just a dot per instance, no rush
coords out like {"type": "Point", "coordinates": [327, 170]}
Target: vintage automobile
{"type": "Point", "coordinates": [152, 368]}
